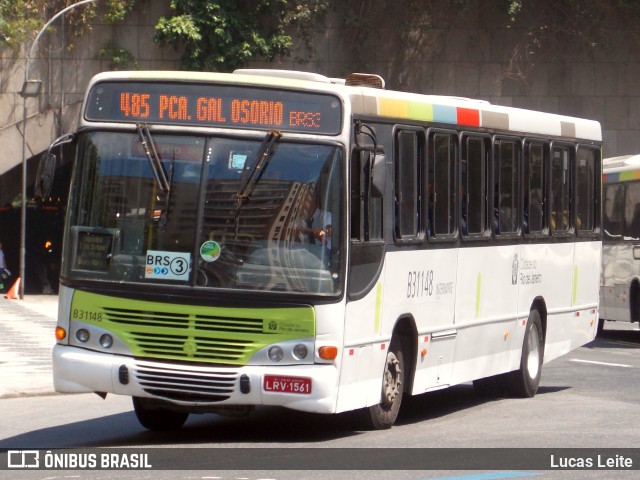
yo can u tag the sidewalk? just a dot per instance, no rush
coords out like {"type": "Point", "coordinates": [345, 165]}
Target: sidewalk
{"type": "Point", "coordinates": [27, 337]}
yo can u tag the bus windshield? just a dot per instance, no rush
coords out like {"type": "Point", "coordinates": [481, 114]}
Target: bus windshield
{"type": "Point", "coordinates": [208, 212]}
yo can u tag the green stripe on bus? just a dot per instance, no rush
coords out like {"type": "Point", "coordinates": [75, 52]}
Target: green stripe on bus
{"type": "Point", "coordinates": [378, 307]}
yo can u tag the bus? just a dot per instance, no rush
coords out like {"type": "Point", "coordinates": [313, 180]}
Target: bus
{"type": "Point", "coordinates": [282, 238]}
{"type": "Point", "coordinates": [620, 283]}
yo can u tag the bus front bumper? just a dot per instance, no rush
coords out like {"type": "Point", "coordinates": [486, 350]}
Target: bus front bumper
{"type": "Point", "coordinates": [309, 388]}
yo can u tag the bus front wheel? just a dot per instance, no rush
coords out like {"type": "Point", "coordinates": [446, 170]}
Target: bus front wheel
{"type": "Point", "coordinates": [158, 418]}
{"type": "Point", "coordinates": [384, 414]}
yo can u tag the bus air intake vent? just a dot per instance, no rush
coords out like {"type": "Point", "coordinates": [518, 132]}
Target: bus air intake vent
{"type": "Point", "coordinates": [147, 318]}
{"type": "Point", "coordinates": [142, 318]}
{"type": "Point", "coordinates": [192, 348]}
{"type": "Point", "coordinates": [364, 80]}
{"type": "Point", "coordinates": [186, 385]}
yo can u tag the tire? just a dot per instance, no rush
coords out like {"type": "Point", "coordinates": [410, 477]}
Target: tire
{"type": "Point", "coordinates": [384, 415]}
{"type": "Point", "coordinates": [600, 327]}
{"type": "Point", "coordinates": [524, 382]}
{"type": "Point", "coordinates": [158, 418]}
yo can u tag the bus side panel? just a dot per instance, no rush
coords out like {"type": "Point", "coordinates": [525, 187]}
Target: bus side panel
{"type": "Point", "coordinates": [584, 296]}
{"type": "Point", "coordinates": [421, 285]}
{"type": "Point", "coordinates": [572, 297]}
{"type": "Point", "coordinates": [486, 311]}
{"type": "Point", "coordinates": [363, 355]}
{"type": "Point", "coordinates": [545, 272]}
{"type": "Point", "coordinates": [587, 262]}
{"type": "Point", "coordinates": [359, 381]}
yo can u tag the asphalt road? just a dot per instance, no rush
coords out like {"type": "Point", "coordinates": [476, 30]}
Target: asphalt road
{"type": "Point", "coordinates": [589, 398]}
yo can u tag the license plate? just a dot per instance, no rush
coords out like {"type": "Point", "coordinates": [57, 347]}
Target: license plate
{"type": "Point", "coordinates": [283, 384]}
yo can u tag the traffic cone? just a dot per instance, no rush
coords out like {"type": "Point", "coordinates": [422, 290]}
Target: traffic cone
{"type": "Point", "coordinates": [13, 291]}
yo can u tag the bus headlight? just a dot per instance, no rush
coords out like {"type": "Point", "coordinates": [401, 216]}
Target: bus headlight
{"type": "Point", "coordinates": [82, 335]}
{"type": "Point", "coordinates": [300, 351]}
{"type": "Point", "coordinates": [275, 354]}
{"type": "Point", "coordinates": [106, 341]}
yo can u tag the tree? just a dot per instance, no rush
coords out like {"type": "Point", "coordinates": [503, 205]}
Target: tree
{"type": "Point", "coordinates": [20, 20]}
{"type": "Point", "coordinates": [226, 34]}
{"type": "Point", "coordinates": [564, 29]}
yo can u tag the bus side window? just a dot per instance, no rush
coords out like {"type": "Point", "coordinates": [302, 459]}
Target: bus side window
{"type": "Point", "coordinates": [356, 198]}
{"type": "Point", "coordinates": [442, 182]}
{"type": "Point", "coordinates": [614, 209]}
{"type": "Point", "coordinates": [408, 179]}
{"type": "Point", "coordinates": [632, 210]}
{"type": "Point", "coordinates": [560, 189]}
{"type": "Point", "coordinates": [534, 205]}
{"type": "Point", "coordinates": [366, 209]}
{"type": "Point", "coordinates": [474, 186]}
{"type": "Point", "coordinates": [506, 172]}
{"type": "Point", "coordinates": [587, 183]}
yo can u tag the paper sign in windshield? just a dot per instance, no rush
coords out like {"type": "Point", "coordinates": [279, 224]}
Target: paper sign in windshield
{"type": "Point", "coordinates": [167, 265]}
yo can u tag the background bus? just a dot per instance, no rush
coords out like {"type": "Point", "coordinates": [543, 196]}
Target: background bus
{"type": "Point", "coordinates": [620, 284]}
{"type": "Point", "coordinates": [282, 238]}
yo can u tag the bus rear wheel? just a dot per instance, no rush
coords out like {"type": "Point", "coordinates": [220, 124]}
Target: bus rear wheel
{"type": "Point", "coordinates": [156, 418]}
{"type": "Point", "coordinates": [384, 415]}
{"type": "Point", "coordinates": [524, 382]}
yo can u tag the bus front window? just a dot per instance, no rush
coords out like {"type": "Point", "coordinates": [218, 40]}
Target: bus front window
{"type": "Point", "coordinates": [282, 232]}
{"type": "Point", "coordinates": [214, 221]}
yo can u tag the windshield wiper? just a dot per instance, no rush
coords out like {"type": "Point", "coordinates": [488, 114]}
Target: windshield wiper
{"type": "Point", "coordinates": [260, 164]}
{"type": "Point", "coordinates": [152, 155]}
{"type": "Point", "coordinates": [164, 216]}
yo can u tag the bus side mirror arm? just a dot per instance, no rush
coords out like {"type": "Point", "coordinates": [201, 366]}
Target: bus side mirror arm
{"type": "Point", "coordinates": [376, 162]}
{"type": "Point", "coordinates": [47, 169]}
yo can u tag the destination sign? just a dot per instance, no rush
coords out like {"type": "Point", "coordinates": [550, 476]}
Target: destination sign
{"type": "Point", "coordinates": [214, 105]}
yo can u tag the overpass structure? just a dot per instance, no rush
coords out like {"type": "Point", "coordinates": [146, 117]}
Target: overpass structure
{"type": "Point", "coordinates": [64, 64]}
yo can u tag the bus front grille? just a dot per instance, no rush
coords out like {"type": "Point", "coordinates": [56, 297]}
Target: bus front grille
{"type": "Point", "coordinates": [186, 385]}
{"type": "Point", "coordinates": [190, 348]}
{"type": "Point", "coordinates": [193, 333]}
{"type": "Point", "coordinates": [202, 322]}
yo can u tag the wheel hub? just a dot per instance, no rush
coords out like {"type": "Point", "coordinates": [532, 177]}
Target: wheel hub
{"type": "Point", "coordinates": [392, 383]}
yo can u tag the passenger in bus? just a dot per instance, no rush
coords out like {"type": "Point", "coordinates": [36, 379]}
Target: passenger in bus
{"type": "Point", "coordinates": [319, 226]}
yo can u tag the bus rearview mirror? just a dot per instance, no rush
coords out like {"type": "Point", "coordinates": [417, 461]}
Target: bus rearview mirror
{"type": "Point", "coordinates": [378, 177]}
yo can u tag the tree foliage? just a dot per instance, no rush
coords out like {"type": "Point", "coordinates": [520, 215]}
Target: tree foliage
{"type": "Point", "coordinates": [563, 29]}
{"type": "Point", "coordinates": [226, 34]}
{"type": "Point", "coordinates": [21, 20]}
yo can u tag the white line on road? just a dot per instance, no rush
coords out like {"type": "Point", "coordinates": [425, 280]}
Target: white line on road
{"type": "Point", "coordinates": [602, 363]}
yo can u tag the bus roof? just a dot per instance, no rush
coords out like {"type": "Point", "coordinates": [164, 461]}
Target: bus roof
{"type": "Point", "coordinates": [623, 162]}
{"type": "Point", "coordinates": [621, 169]}
{"type": "Point", "coordinates": [369, 101]}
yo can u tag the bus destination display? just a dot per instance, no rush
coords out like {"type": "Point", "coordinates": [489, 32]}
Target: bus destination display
{"type": "Point", "coordinates": [215, 106]}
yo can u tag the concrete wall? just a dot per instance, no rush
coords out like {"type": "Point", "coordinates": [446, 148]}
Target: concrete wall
{"type": "Point", "coordinates": [65, 74]}
{"type": "Point", "coordinates": [428, 49]}
{"type": "Point", "coordinates": [431, 49]}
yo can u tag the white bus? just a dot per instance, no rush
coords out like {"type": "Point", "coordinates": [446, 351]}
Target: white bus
{"type": "Point", "coordinates": [620, 283]}
{"type": "Point", "coordinates": [283, 238]}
